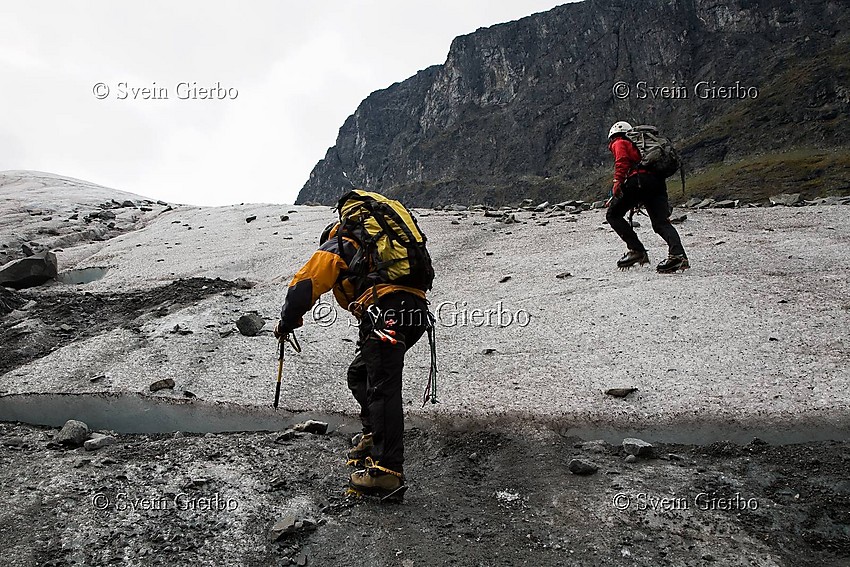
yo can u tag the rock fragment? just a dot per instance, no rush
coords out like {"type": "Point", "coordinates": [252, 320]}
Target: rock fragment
{"type": "Point", "coordinates": [312, 426]}
{"type": "Point", "coordinates": [581, 467]}
{"type": "Point", "coordinates": [98, 441]}
{"type": "Point", "coordinates": [29, 272]}
{"type": "Point", "coordinates": [73, 434]}
{"type": "Point", "coordinates": [619, 392]}
{"type": "Point", "coordinates": [597, 446]}
{"type": "Point", "coordinates": [726, 204]}
{"type": "Point", "coordinates": [164, 384]}
{"type": "Point", "coordinates": [250, 324]}
{"type": "Point", "coordinates": [638, 447]}
{"type": "Point", "coordinates": [786, 199]}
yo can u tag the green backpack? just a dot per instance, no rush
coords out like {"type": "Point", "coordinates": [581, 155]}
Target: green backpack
{"type": "Point", "coordinates": [657, 153]}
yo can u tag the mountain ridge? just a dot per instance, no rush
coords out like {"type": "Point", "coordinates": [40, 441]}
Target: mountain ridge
{"type": "Point", "coordinates": [521, 109]}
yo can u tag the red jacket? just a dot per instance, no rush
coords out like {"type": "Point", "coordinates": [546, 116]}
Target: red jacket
{"type": "Point", "coordinates": [626, 157]}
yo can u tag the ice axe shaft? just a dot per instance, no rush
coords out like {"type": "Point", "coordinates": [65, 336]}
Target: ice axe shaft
{"type": "Point", "coordinates": [279, 376]}
{"type": "Point", "coordinates": [291, 339]}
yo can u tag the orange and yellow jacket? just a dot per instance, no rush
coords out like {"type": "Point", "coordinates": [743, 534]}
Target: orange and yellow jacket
{"type": "Point", "coordinates": [327, 270]}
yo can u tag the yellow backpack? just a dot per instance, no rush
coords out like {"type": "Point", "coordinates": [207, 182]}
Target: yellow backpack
{"type": "Point", "coordinates": [392, 248]}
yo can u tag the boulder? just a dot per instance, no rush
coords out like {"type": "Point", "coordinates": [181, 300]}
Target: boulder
{"type": "Point", "coordinates": [250, 324]}
{"type": "Point", "coordinates": [692, 202]}
{"type": "Point", "coordinates": [638, 447]}
{"type": "Point", "coordinates": [582, 467]}
{"type": "Point", "coordinates": [29, 272]}
{"type": "Point", "coordinates": [726, 204]}
{"type": "Point", "coordinates": [73, 434]}
{"type": "Point", "coordinates": [786, 199]}
{"type": "Point", "coordinates": [312, 426]}
{"type": "Point", "coordinates": [98, 441]}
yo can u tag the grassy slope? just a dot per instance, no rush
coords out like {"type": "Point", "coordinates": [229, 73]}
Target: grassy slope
{"type": "Point", "coordinates": [812, 172]}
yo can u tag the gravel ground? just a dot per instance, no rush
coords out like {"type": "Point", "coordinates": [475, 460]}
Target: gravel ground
{"type": "Point", "coordinates": [492, 497]}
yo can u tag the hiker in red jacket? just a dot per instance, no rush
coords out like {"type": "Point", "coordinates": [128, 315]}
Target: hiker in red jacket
{"type": "Point", "coordinates": [634, 186]}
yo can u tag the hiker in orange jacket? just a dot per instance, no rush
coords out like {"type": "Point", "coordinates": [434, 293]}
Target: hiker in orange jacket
{"type": "Point", "coordinates": [393, 317]}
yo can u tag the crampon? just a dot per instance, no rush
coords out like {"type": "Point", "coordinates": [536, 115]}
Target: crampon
{"type": "Point", "coordinates": [631, 258]}
{"type": "Point", "coordinates": [375, 480]}
{"type": "Point", "coordinates": [673, 264]}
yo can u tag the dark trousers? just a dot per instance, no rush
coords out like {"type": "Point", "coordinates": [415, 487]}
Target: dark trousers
{"type": "Point", "coordinates": [374, 376]}
{"type": "Point", "coordinates": [651, 191]}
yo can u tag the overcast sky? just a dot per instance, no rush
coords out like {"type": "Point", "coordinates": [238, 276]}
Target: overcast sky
{"type": "Point", "coordinates": [299, 69]}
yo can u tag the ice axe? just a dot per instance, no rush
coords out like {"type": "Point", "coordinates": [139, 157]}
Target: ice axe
{"type": "Point", "coordinates": [290, 338]}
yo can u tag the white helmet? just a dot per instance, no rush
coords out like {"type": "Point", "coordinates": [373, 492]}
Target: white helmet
{"type": "Point", "coordinates": [619, 128]}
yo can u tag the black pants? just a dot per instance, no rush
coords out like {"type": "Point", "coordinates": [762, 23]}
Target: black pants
{"type": "Point", "coordinates": [651, 191]}
{"type": "Point", "coordinates": [374, 376]}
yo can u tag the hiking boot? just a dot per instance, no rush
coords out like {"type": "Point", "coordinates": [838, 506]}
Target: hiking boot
{"type": "Point", "coordinates": [362, 450]}
{"type": "Point", "coordinates": [377, 480]}
{"type": "Point", "coordinates": [673, 263]}
{"type": "Point", "coordinates": [631, 258]}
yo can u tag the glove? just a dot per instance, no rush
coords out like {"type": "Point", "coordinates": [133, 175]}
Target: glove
{"type": "Point", "coordinates": [280, 331]}
{"type": "Point", "coordinates": [617, 190]}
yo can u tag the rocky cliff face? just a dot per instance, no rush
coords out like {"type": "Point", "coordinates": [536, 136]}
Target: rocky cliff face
{"type": "Point", "coordinates": [522, 109]}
